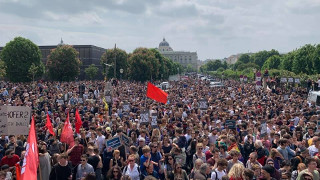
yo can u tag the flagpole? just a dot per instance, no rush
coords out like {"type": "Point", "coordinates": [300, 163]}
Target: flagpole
{"type": "Point", "coordinates": [40, 175]}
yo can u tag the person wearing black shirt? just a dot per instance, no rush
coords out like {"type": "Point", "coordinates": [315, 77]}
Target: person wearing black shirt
{"type": "Point", "coordinates": [62, 170]}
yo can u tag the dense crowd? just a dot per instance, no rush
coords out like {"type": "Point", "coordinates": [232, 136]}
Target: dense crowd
{"type": "Point", "coordinates": [274, 135]}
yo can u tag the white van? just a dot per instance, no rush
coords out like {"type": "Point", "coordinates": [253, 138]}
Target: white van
{"type": "Point", "coordinates": [314, 97]}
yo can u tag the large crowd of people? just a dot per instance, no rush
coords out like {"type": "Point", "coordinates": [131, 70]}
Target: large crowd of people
{"type": "Point", "coordinates": [235, 132]}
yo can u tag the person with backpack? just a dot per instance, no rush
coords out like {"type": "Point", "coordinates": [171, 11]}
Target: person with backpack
{"type": "Point", "coordinates": [132, 169]}
{"type": "Point", "coordinates": [220, 171]}
{"type": "Point", "coordinates": [300, 158]}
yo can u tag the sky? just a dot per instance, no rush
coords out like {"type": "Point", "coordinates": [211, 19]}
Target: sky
{"type": "Point", "coordinates": [213, 28]}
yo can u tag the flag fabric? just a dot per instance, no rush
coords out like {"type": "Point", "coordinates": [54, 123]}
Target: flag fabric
{"type": "Point", "coordinates": [31, 158]}
{"type": "Point", "coordinates": [18, 172]}
{"type": "Point", "coordinates": [67, 133]}
{"type": "Point", "coordinates": [156, 93]}
{"type": "Point", "coordinates": [78, 121]}
{"type": "Point", "coordinates": [49, 125]}
{"type": "Point", "coordinates": [106, 107]}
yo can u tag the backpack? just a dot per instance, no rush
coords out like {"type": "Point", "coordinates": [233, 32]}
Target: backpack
{"type": "Point", "coordinates": [217, 173]}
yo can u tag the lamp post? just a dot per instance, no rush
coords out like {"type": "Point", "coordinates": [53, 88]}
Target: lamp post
{"type": "Point", "coordinates": [107, 66]}
{"type": "Point", "coordinates": [121, 71]}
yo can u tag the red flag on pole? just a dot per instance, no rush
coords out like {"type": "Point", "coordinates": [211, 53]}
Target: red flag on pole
{"type": "Point", "coordinates": [31, 158]}
{"type": "Point", "coordinates": [49, 125]}
{"type": "Point", "coordinates": [78, 121]}
{"type": "Point", "coordinates": [156, 93]}
{"type": "Point", "coordinates": [67, 133]}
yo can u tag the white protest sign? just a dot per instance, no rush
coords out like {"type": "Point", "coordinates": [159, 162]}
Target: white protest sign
{"type": "Point", "coordinates": [297, 81]}
{"type": "Point", "coordinates": [283, 80]}
{"type": "Point", "coordinates": [144, 117]}
{"type": "Point", "coordinates": [203, 104]}
{"type": "Point", "coordinates": [14, 120]}
{"type": "Point", "coordinates": [126, 106]}
{"type": "Point", "coordinates": [154, 119]}
{"type": "Point", "coordinates": [290, 80]}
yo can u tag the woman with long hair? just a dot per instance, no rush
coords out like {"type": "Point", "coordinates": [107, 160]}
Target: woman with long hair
{"type": "Point", "coordinates": [166, 145]}
{"type": "Point", "coordinates": [114, 173]}
{"type": "Point", "coordinates": [169, 166]}
{"type": "Point", "coordinates": [179, 173]}
{"type": "Point", "coordinates": [236, 172]}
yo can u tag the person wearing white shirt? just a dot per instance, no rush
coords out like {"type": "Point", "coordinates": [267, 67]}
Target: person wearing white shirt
{"type": "Point", "coordinates": [314, 148]}
{"type": "Point", "coordinates": [220, 170]}
{"type": "Point", "coordinates": [132, 169]}
{"type": "Point", "coordinates": [100, 140]}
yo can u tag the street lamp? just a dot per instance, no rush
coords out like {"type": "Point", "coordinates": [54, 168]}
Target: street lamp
{"type": "Point", "coordinates": [121, 71]}
{"type": "Point", "coordinates": [107, 66]}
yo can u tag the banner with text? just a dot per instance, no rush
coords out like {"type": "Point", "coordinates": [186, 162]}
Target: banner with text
{"type": "Point", "coordinates": [14, 120]}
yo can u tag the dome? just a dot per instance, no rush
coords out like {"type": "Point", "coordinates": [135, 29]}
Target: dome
{"type": "Point", "coordinates": [164, 43]}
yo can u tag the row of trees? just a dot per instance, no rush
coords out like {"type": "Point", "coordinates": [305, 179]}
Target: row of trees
{"type": "Point", "coordinates": [303, 62]}
{"type": "Point", "coordinates": [20, 61]}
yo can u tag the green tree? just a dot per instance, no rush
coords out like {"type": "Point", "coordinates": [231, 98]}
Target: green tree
{"type": "Point", "coordinates": [63, 63]}
{"type": "Point", "coordinates": [214, 65]}
{"type": "Point", "coordinates": [121, 58]}
{"type": "Point", "coordinates": [163, 69]}
{"type": "Point", "coordinates": [243, 66]}
{"type": "Point", "coordinates": [244, 58]}
{"type": "Point", "coordinates": [143, 65]}
{"type": "Point", "coordinates": [91, 71]}
{"type": "Point", "coordinates": [2, 69]}
{"type": "Point", "coordinates": [272, 62]}
{"type": "Point", "coordinates": [316, 59]}
{"type": "Point", "coordinates": [190, 68]}
{"type": "Point", "coordinates": [36, 71]}
{"type": "Point", "coordinates": [260, 57]}
{"type": "Point", "coordinates": [303, 60]}
{"type": "Point", "coordinates": [287, 61]}
{"type": "Point", "coordinates": [18, 55]}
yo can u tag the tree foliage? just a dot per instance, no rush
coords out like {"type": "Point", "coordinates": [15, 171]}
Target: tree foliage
{"type": "Point", "coordinates": [63, 63]}
{"type": "Point", "coordinates": [272, 62]}
{"type": "Point", "coordinates": [36, 71]}
{"type": "Point", "coordinates": [18, 55]}
{"type": "Point", "coordinates": [91, 71]}
{"type": "Point", "coordinates": [303, 60]}
{"type": "Point", "coordinates": [2, 69]}
{"type": "Point", "coordinates": [121, 58]}
{"type": "Point", "coordinates": [260, 57]}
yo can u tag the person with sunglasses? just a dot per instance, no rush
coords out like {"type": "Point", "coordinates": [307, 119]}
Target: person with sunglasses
{"type": "Point", "coordinates": [199, 154]}
{"type": "Point", "coordinates": [307, 176]}
{"type": "Point", "coordinates": [132, 169]}
{"type": "Point", "coordinates": [169, 166]}
{"type": "Point", "coordinates": [114, 173]}
{"type": "Point", "coordinates": [179, 173]}
{"type": "Point", "coordinates": [10, 158]}
{"type": "Point", "coordinates": [83, 168]}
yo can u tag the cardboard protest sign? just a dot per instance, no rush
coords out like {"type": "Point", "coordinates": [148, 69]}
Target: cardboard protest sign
{"type": "Point", "coordinates": [113, 143]}
{"type": "Point", "coordinates": [14, 120]}
{"type": "Point", "coordinates": [154, 117]}
{"type": "Point", "coordinates": [231, 124]}
{"type": "Point", "coordinates": [290, 80]}
{"type": "Point", "coordinates": [144, 117]}
{"type": "Point", "coordinates": [229, 102]}
{"type": "Point", "coordinates": [283, 80]}
{"type": "Point", "coordinates": [125, 140]}
{"type": "Point", "coordinates": [263, 129]}
{"type": "Point", "coordinates": [203, 104]}
{"type": "Point", "coordinates": [297, 80]}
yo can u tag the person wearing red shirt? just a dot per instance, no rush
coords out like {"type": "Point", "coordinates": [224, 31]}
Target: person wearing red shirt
{"type": "Point", "coordinates": [75, 152]}
{"type": "Point", "coordinates": [10, 159]}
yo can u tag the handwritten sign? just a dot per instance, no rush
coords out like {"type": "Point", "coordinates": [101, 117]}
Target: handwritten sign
{"type": "Point", "coordinates": [203, 104]}
{"type": "Point", "coordinates": [283, 80]}
{"type": "Point", "coordinates": [125, 140]}
{"type": "Point", "coordinates": [144, 117]}
{"type": "Point", "coordinates": [126, 106]}
{"type": "Point", "coordinates": [297, 80]}
{"type": "Point", "coordinates": [154, 119]}
{"type": "Point", "coordinates": [14, 120]}
{"type": "Point", "coordinates": [113, 143]}
{"type": "Point", "coordinates": [263, 129]}
{"type": "Point", "coordinates": [231, 124]}
{"type": "Point", "coordinates": [290, 80]}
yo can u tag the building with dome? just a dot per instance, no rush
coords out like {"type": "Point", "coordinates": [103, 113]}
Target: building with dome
{"type": "Point", "coordinates": [185, 58]}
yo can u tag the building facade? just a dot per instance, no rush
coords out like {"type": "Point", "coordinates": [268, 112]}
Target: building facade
{"type": "Point", "coordinates": [183, 57]}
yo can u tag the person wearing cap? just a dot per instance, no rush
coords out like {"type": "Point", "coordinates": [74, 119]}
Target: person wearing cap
{"type": "Point", "coordinates": [316, 145]}
{"type": "Point", "coordinates": [311, 168]}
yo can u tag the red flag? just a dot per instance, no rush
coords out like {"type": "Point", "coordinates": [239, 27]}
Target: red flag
{"type": "Point", "coordinates": [78, 122]}
{"type": "Point", "coordinates": [67, 133]}
{"type": "Point", "coordinates": [31, 158]}
{"type": "Point", "coordinates": [156, 93]}
{"type": "Point", "coordinates": [18, 172]}
{"type": "Point", "coordinates": [49, 125]}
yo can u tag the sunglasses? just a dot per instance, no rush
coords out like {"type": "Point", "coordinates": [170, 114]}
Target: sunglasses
{"type": "Point", "coordinates": [308, 178]}
{"type": "Point", "coordinates": [83, 160]}
{"type": "Point", "coordinates": [200, 148]}
{"type": "Point", "coordinates": [11, 153]}
{"type": "Point", "coordinates": [178, 167]}
{"type": "Point", "coordinates": [131, 160]}
{"type": "Point", "coordinates": [170, 158]}
{"type": "Point", "coordinates": [155, 147]}
{"type": "Point", "coordinates": [115, 171]}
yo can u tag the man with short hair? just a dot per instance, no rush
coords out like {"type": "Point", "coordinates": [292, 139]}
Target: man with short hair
{"type": "Point", "coordinates": [316, 145]}
{"type": "Point", "coordinates": [10, 158]}
{"type": "Point", "coordinates": [83, 168]}
{"type": "Point", "coordinates": [220, 171]}
{"type": "Point", "coordinates": [311, 168]}
{"type": "Point", "coordinates": [62, 170]}
{"type": "Point", "coordinates": [252, 160]}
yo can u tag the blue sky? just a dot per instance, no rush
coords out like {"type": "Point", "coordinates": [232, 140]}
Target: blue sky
{"type": "Point", "coordinates": [213, 28]}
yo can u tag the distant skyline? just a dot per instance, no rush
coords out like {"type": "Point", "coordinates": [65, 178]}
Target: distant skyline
{"type": "Point", "coordinates": [215, 29]}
